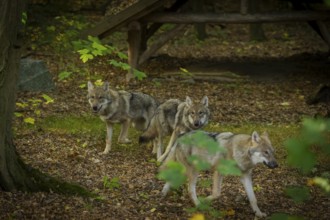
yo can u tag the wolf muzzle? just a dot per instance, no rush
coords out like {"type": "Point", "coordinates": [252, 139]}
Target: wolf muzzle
{"type": "Point", "coordinates": [271, 164]}
{"type": "Point", "coordinates": [95, 109]}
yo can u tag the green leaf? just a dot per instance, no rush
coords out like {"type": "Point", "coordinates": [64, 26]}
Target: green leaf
{"type": "Point", "coordinates": [21, 105]}
{"type": "Point", "coordinates": [29, 120]}
{"type": "Point", "coordinates": [198, 163]}
{"type": "Point", "coordinates": [63, 75]}
{"type": "Point", "coordinates": [298, 194]}
{"type": "Point", "coordinates": [299, 155]}
{"type": "Point", "coordinates": [323, 183]}
{"type": "Point", "coordinates": [122, 55]}
{"type": "Point", "coordinates": [138, 74]}
{"type": "Point", "coordinates": [86, 57]}
{"type": "Point", "coordinates": [47, 98]}
{"type": "Point", "coordinates": [98, 46]}
{"type": "Point", "coordinates": [24, 18]}
{"type": "Point", "coordinates": [228, 167]}
{"type": "Point", "coordinates": [83, 51]}
{"type": "Point", "coordinates": [82, 86]}
{"type": "Point", "coordinates": [201, 140]}
{"type": "Point", "coordinates": [17, 114]}
{"type": "Point", "coordinates": [174, 174]}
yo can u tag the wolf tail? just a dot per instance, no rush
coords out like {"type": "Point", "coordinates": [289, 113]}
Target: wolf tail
{"type": "Point", "coordinates": [149, 135]}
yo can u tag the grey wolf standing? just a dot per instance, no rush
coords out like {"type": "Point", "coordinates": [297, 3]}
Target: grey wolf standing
{"type": "Point", "coordinates": [175, 117]}
{"type": "Point", "coordinates": [246, 150]}
{"type": "Point", "coordinates": [120, 107]}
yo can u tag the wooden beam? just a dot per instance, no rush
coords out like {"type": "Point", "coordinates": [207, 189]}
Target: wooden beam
{"type": "Point", "coordinates": [161, 40]}
{"type": "Point", "coordinates": [111, 23]}
{"type": "Point", "coordinates": [325, 34]}
{"type": "Point", "coordinates": [234, 18]}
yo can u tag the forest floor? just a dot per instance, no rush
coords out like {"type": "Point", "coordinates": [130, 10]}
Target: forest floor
{"type": "Point", "coordinates": [272, 81]}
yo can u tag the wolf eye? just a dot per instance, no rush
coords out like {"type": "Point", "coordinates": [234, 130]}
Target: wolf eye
{"type": "Point", "coordinates": [192, 113]}
{"type": "Point", "coordinates": [92, 97]}
{"type": "Point", "coordinates": [266, 152]}
{"type": "Point", "coordinates": [200, 113]}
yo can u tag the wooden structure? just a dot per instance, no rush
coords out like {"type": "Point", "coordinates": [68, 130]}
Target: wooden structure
{"type": "Point", "coordinates": [145, 17]}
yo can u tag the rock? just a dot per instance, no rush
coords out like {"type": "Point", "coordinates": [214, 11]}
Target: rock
{"type": "Point", "coordinates": [34, 76]}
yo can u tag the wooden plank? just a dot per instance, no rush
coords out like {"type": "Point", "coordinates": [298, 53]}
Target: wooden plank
{"type": "Point", "coordinates": [234, 18]}
{"type": "Point", "coordinates": [161, 40]}
{"type": "Point", "coordinates": [133, 12]}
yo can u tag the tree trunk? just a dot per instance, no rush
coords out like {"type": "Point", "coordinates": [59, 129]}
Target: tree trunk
{"type": "Point", "coordinates": [14, 174]}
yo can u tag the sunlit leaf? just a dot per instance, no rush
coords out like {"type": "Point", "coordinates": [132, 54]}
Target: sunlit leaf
{"type": "Point", "coordinates": [86, 57]}
{"type": "Point", "coordinates": [197, 216]}
{"type": "Point", "coordinates": [47, 98]}
{"type": "Point", "coordinates": [29, 120]}
{"type": "Point", "coordinates": [18, 114]}
{"type": "Point", "coordinates": [323, 183]}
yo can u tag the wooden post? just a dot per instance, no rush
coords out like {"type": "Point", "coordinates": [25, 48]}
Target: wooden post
{"type": "Point", "coordinates": [200, 28]}
{"type": "Point", "coordinates": [256, 30]}
{"type": "Point", "coordinates": [134, 46]}
{"type": "Point", "coordinates": [324, 33]}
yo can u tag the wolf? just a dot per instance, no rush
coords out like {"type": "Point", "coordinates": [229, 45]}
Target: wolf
{"type": "Point", "coordinates": [246, 150]}
{"type": "Point", "coordinates": [121, 107]}
{"type": "Point", "coordinates": [174, 117]}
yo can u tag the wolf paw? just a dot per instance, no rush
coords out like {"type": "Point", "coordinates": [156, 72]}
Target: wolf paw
{"type": "Point", "coordinates": [125, 141]}
{"type": "Point", "coordinates": [260, 214]}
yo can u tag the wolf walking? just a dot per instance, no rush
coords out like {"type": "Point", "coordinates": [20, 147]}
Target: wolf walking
{"type": "Point", "coordinates": [174, 117]}
{"type": "Point", "coordinates": [246, 150]}
{"type": "Point", "coordinates": [120, 107]}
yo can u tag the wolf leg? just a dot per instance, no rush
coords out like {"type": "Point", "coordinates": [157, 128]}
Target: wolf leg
{"type": "Point", "coordinates": [159, 146]}
{"type": "Point", "coordinates": [216, 186]}
{"type": "Point", "coordinates": [247, 183]}
{"type": "Point", "coordinates": [174, 136]}
{"type": "Point", "coordinates": [123, 132]}
{"type": "Point", "coordinates": [192, 181]}
{"type": "Point", "coordinates": [166, 189]}
{"type": "Point", "coordinates": [108, 138]}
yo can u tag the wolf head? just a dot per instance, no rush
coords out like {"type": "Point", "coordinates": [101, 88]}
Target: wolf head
{"type": "Point", "coordinates": [197, 114]}
{"type": "Point", "coordinates": [98, 97]}
{"type": "Point", "coordinates": [262, 151]}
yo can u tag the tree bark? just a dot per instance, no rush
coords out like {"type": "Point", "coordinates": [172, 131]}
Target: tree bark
{"type": "Point", "coordinates": [14, 174]}
{"type": "Point", "coordinates": [11, 172]}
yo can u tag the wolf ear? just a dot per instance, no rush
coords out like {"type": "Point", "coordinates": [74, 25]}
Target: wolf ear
{"type": "Point", "coordinates": [90, 86]}
{"type": "Point", "coordinates": [255, 137]}
{"type": "Point", "coordinates": [106, 86]}
{"type": "Point", "coordinates": [205, 101]}
{"type": "Point", "coordinates": [188, 101]}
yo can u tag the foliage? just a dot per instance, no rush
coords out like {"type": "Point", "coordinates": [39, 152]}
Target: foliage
{"type": "Point", "coordinates": [34, 105]}
{"type": "Point", "coordinates": [111, 183]}
{"type": "Point", "coordinates": [174, 174]}
{"type": "Point", "coordinates": [301, 155]}
{"type": "Point", "coordinates": [93, 47]}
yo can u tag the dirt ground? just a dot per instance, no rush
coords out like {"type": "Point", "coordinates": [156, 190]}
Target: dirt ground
{"type": "Point", "coordinates": [274, 80]}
